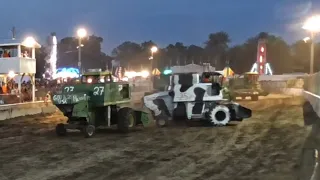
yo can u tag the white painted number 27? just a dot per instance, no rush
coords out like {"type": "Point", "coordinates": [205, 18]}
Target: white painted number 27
{"type": "Point", "coordinates": [98, 91]}
{"type": "Point", "coordinates": [69, 88]}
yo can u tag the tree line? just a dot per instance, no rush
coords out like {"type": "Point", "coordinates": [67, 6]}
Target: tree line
{"type": "Point", "coordinates": [216, 50]}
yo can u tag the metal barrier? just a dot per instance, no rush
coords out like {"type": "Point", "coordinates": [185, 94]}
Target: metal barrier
{"type": "Point", "coordinates": [23, 109]}
{"type": "Point", "coordinates": [312, 91]}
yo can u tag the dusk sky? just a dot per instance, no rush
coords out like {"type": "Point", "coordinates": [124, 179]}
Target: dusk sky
{"type": "Point", "coordinates": [163, 21]}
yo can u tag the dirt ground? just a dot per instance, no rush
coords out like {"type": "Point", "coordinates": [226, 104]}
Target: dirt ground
{"type": "Point", "coordinates": [266, 146]}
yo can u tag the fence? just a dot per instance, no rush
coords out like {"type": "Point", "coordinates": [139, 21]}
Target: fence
{"type": "Point", "coordinates": [292, 83]}
{"type": "Point", "coordinates": [311, 83]}
{"type": "Point", "coordinates": [312, 91]}
{"type": "Point", "coordinates": [24, 109]}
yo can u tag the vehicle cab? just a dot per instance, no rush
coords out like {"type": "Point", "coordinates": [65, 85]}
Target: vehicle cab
{"type": "Point", "coordinates": [96, 85]}
{"type": "Point", "coordinates": [96, 77]}
{"type": "Point", "coordinates": [251, 77]}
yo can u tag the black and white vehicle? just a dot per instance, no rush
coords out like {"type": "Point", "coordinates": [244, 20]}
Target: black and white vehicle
{"type": "Point", "coordinates": [190, 98]}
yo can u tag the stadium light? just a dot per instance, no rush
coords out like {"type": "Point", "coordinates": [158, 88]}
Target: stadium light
{"type": "Point", "coordinates": [82, 33]}
{"type": "Point", "coordinates": [313, 26]}
{"type": "Point", "coordinates": [29, 42]}
{"type": "Point", "coordinates": [154, 49]}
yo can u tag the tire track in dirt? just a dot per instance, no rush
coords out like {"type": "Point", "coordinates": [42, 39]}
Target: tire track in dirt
{"type": "Point", "coordinates": [249, 148]}
{"type": "Point", "coordinates": [242, 151]}
{"type": "Point", "coordinates": [235, 146]}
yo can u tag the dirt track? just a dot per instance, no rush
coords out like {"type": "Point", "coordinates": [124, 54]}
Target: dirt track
{"type": "Point", "coordinates": [266, 146]}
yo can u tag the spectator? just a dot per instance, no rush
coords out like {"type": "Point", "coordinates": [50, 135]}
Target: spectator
{"type": "Point", "coordinates": [4, 88]}
{"type": "Point", "coordinates": [25, 54]}
{"type": "Point", "coordinates": [6, 54]}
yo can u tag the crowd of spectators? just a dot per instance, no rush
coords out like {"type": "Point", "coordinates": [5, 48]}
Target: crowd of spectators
{"type": "Point", "coordinates": [9, 92]}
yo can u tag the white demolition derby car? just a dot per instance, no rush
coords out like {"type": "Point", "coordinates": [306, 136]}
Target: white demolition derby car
{"type": "Point", "coordinates": [189, 97]}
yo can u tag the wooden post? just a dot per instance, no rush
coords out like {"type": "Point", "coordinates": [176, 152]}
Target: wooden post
{"type": "Point", "coordinates": [19, 51]}
{"type": "Point", "coordinates": [33, 53]}
{"type": "Point", "coordinates": [33, 81]}
{"type": "Point", "coordinates": [19, 87]}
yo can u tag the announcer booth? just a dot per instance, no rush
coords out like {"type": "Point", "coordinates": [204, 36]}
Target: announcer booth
{"type": "Point", "coordinates": [17, 60]}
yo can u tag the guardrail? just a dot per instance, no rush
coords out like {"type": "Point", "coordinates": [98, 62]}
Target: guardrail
{"type": "Point", "coordinates": [10, 111]}
{"type": "Point", "coordinates": [293, 86]}
{"type": "Point", "coordinates": [312, 91]}
{"type": "Point", "coordinates": [23, 109]}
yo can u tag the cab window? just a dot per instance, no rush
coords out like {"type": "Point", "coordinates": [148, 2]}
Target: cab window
{"type": "Point", "coordinates": [96, 79]}
{"type": "Point", "coordinates": [91, 79]}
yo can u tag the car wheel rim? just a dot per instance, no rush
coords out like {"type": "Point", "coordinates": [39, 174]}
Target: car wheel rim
{"type": "Point", "coordinates": [90, 130]}
{"type": "Point", "coordinates": [161, 122]}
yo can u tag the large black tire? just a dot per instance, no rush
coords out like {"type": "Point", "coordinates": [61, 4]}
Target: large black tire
{"type": "Point", "coordinates": [88, 130]}
{"type": "Point", "coordinates": [61, 130]}
{"type": "Point", "coordinates": [126, 119]}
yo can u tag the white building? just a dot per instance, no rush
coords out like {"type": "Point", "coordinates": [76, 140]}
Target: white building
{"type": "Point", "coordinates": [17, 58]}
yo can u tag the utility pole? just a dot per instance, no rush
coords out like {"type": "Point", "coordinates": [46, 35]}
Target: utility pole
{"type": "Point", "coordinates": [13, 31]}
{"type": "Point", "coordinates": [312, 53]}
{"type": "Point", "coordinates": [79, 56]}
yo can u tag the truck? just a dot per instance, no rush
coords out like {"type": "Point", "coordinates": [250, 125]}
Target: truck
{"type": "Point", "coordinates": [246, 86]}
{"type": "Point", "coordinates": [96, 101]}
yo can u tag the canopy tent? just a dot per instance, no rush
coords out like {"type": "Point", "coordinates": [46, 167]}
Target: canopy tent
{"type": "Point", "coordinates": [227, 71]}
{"type": "Point", "coordinates": [156, 72]}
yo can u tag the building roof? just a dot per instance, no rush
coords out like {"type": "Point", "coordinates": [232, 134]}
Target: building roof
{"type": "Point", "coordinates": [101, 73]}
{"type": "Point", "coordinates": [191, 68]}
{"type": "Point", "coordinates": [11, 42]}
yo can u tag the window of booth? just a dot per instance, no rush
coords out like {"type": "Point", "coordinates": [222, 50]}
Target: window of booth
{"type": "Point", "coordinates": [26, 52]}
{"type": "Point", "coordinates": [8, 51]}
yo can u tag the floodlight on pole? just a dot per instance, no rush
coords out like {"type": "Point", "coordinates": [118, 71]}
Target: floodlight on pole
{"type": "Point", "coordinates": [81, 34]}
{"type": "Point", "coordinates": [29, 42]}
{"type": "Point", "coordinates": [154, 49]}
{"type": "Point", "coordinates": [313, 26]}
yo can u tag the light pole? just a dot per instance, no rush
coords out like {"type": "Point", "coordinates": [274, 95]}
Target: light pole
{"type": "Point", "coordinates": [312, 53]}
{"type": "Point", "coordinates": [154, 49]}
{"type": "Point", "coordinates": [313, 26]}
{"type": "Point", "coordinates": [81, 34]}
